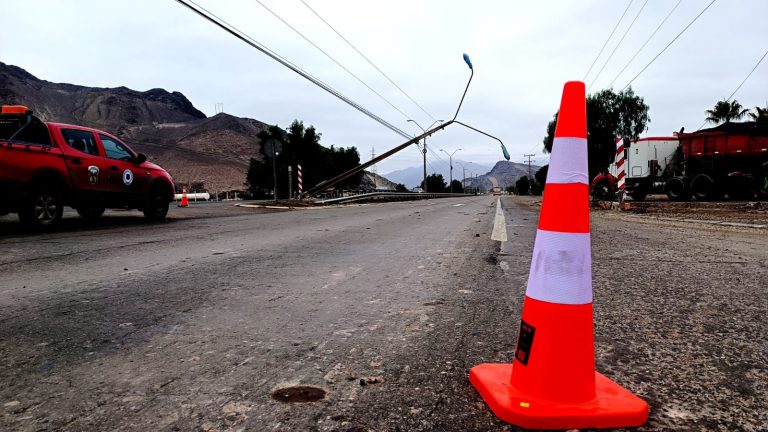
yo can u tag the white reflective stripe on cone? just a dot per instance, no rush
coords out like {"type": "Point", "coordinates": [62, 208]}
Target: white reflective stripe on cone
{"type": "Point", "coordinates": [561, 269]}
{"type": "Point", "coordinates": [568, 163]}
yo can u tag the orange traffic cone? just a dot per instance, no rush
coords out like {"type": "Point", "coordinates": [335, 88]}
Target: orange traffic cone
{"type": "Point", "coordinates": [184, 201]}
{"type": "Point", "coordinates": [553, 383]}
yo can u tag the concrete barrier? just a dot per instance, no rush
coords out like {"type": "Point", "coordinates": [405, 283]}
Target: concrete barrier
{"type": "Point", "coordinates": [201, 196]}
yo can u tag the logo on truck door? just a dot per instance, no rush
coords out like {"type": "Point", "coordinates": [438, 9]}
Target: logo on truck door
{"type": "Point", "coordinates": [127, 177]}
{"type": "Point", "coordinates": [93, 174]}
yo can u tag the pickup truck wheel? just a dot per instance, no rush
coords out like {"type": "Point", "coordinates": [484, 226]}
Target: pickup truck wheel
{"type": "Point", "coordinates": [156, 205]}
{"type": "Point", "coordinates": [603, 190]}
{"type": "Point", "coordinates": [91, 212]}
{"type": "Point", "coordinates": [43, 207]}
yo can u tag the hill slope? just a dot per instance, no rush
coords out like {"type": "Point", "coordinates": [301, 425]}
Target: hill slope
{"type": "Point", "coordinates": [412, 177]}
{"type": "Point", "coordinates": [503, 174]}
{"type": "Point", "coordinates": [164, 125]}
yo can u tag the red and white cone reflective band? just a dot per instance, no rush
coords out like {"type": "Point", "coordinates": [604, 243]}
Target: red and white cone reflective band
{"type": "Point", "coordinates": [552, 383]}
{"type": "Point", "coordinates": [301, 184]}
{"type": "Point", "coordinates": [621, 169]}
{"type": "Point", "coordinates": [561, 267]}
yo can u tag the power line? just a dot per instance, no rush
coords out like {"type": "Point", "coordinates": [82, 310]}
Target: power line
{"type": "Point", "coordinates": [742, 83]}
{"type": "Point", "coordinates": [645, 43]}
{"type": "Point", "coordinates": [669, 44]}
{"type": "Point", "coordinates": [436, 155]}
{"type": "Point", "coordinates": [332, 59]}
{"type": "Point", "coordinates": [748, 75]}
{"type": "Point", "coordinates": [368, 60]}
{"type": "Point", "coordinates": [255, 44]}
{"type": "Point", "coordinates": [618, 45]}
{"type": "Point", "coordinates": [606, 41]}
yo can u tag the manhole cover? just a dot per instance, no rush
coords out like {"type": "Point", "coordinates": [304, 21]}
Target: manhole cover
{"type": "Point", "coordinates": [298, 394]}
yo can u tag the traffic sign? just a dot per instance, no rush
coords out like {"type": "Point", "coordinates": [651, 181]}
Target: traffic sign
{"type": "Point", "coordinates": [273, 148]}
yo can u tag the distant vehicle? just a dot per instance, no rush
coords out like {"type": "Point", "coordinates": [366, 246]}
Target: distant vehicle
{"type": "Point", "coordinates": [46, 166]}
{"type": "Point", "coordinates": [496, 190]}
{"type": "Point", "coordinates": [730, 159]}
{"type": "Point", "coordinates": [417, 190]}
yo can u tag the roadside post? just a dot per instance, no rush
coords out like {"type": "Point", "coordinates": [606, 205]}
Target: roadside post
{"type": "Point", "coordinates": [273, 148]}
{"type": "Point", "coordinates": [290, 182]}
{"type": "Point", "coordinates": [299, 179]}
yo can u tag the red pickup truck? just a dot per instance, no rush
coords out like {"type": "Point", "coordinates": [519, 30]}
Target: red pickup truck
{"type": "Point", "coordinates": [46, 166]}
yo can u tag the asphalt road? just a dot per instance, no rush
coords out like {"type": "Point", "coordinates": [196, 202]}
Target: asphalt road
{"type": "Point", "coordinates": [193, 324]}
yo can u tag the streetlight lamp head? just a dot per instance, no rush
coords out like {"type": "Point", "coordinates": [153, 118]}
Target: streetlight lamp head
{"type": "Point", "coordinates": [467, 60]}
{"type": "Point", "coordinates": [506, 153]}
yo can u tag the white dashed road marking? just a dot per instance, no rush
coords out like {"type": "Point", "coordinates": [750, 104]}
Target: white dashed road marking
{"type": "Point", "coordinates": [499, 224]}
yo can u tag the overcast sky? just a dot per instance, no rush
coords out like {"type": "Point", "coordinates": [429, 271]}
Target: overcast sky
{"type": "Point", "coordinates": [523, 52]}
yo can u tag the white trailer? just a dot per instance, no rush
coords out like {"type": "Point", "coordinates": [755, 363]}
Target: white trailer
{"type": "Point", "coordinates": [646, 159]}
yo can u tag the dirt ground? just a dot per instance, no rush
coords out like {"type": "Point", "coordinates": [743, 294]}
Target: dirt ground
{"type": "Point", "coordinates": [729, 212]}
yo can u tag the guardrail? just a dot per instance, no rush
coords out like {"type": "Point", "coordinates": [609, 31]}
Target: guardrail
{"type": "Point", "coordinates": [391, 196]}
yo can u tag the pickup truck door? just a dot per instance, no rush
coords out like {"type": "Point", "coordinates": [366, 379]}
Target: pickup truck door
{"type": "Point", "coordinates": [87, 168]}
{"type": "Point", "coordinates": [126, 177]}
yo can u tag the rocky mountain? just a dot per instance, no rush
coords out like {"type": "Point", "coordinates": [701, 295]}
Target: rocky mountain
{"type": "Point", "coordinates": [374, 181]}
{"type": "Point", "coordinates": [412, 176]}
{"type": "Point", "coordinates": [503, 174]}
{"type": "Point", "coordinates": [164, 125]}
{"type": "Point", "coordinates": [108, 108]}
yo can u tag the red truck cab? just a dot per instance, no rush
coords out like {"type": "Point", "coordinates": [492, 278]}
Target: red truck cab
{"type": "Point", "coordinates": [46, 166]}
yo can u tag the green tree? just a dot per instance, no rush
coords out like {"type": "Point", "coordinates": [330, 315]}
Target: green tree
{"type": "Point", "coordinates": [541, 175]}
{"type": "Point", "coordinates": [760, 114]}
{"type": "Point", "coordinates": [537, 188]}
{"type": "Point", "coordinates": [610, 115]}
{"type": "Point", "coordinates": [724, 111]}
{"type": "Point", "coordinates": [301, 145]}
{"type": "Point", "coordinates": [435, 183]}
{"type": "Point", "coordinates": [258, 180]}
{"type": "Point", "coordinates": [400, 188]}
{"type": "Point", "coordinates": [456, 187]}
{"type": "Point", "coordinates": [521, 185]}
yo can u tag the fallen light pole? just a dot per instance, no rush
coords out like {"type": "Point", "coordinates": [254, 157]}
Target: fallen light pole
{"type": "Point", "coordinates": [347, 174]}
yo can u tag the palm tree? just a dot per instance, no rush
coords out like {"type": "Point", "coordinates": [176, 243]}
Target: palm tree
{"type": "Point", "coordinates": [725, 111]}
{"type": "Point", "coordinates": [760, 114]}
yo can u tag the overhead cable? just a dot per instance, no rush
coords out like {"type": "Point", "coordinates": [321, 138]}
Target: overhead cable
{"type": "Point", "coordinates": [669, 44]}
{"type": "Point", "coordinates": [645, 43]}
{"type": "Point", "coordinates": [606, 41]}
{"type": "Point", "coordinates": [742, 83]}
{"type": "Point", "coordinates": [748, 75]}
{"type": "Point", "coordinates": [367, 59]}
{"type": "Point", "coordinates": [617, 45]}
{"type": "Point", "coordinates": [352, 74]}
{"type": "Point", "coordinates": [255, 44]}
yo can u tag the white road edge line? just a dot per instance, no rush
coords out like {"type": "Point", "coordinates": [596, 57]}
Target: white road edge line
{"type": "Point", "coordinates": [499, 224]}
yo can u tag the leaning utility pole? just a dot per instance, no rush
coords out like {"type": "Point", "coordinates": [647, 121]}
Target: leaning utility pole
{"type": "Point", "coordinates": [424, 154]}
{"type": "Point", "coordinates": [373, 169]}
{"type": "Point", "coordinates": [529, 156]}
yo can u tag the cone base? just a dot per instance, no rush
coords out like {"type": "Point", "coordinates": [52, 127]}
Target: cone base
{"type": "Point", "coordinates": [613, 407]}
